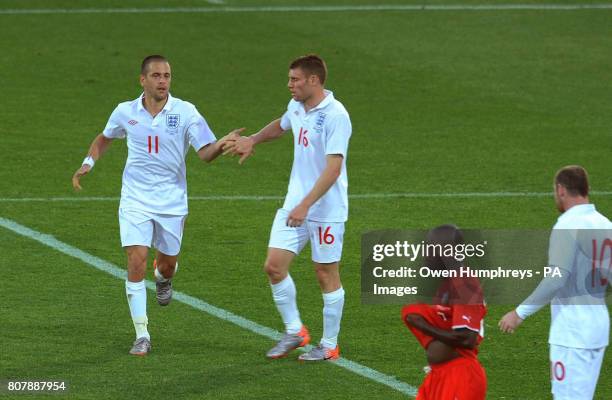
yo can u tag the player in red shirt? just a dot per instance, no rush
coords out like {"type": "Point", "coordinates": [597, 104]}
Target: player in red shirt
{"type": "Point", "coordinates": [450, 331]}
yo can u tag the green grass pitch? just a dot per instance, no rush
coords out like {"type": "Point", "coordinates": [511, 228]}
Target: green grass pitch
{"type": "Point", "coordinates": [441, 102]}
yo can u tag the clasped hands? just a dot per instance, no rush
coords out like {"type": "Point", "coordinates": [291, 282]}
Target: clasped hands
{"type": "Point", "coordinates": [235, 144]}
{"type": "Point", "coordinates": [243, 146]}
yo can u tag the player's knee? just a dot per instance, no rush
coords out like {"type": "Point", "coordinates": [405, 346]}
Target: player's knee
{"type": "Point", "coordinates": [137, 258]}
{"type": "Point", "coordinates": [327, 274]}
{"type": "Point", "coordinates": [137, 263]}
{"type": "Point", "coordinates": [274, 270]}
{"type": "Point", "coordinates": [329, 282]}
{"type": "Point", "coordinates": [136, 270]}
{"type": "Point", "coordinates": [324, 276]}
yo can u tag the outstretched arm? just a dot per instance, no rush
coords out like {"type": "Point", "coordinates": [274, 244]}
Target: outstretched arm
{"type": "Point", "coordinates": [213, 150]}
{"type": "Point", "coordinates": [328, 177]}
{"type": "Point", "coordinates": [245, 146]}
{"type": "Point", "coordinates": [98, 147]}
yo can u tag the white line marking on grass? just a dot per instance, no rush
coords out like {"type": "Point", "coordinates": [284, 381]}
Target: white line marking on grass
{"type": "Point", "coordinates": [193, 198]}
{"type": "Point", "coordinates": [199, 304]}
{"type": "Point", "coordinates": [464, 194]}
{"type": "Point", "coordinates": [351, 196]}
{"type": "Point", "coordinates": [328, 8]}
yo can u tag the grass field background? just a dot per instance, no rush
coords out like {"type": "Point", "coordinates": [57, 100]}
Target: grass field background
{"type": "Point", "coordinates": [441, 102]}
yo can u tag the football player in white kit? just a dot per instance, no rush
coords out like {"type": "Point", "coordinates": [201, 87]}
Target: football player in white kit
{"type": "Point", "coordinates": [159, 129]}
{"type": "Point", "coordinates": [316, 205]}
{"type": "Point", "coordinates": [580, 247]}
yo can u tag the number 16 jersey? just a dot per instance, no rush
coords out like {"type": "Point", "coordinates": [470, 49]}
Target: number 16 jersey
{"type": "Point", "coordinates": [322, 131]}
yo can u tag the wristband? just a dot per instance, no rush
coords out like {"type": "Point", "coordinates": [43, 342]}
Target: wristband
{"type": "Point", "coordinates": [89, 161]}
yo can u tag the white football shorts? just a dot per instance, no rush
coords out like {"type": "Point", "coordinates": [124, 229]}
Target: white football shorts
{"type": "Point", "coordinates": [574, 372]}
{"type": "Point", "coordinates": [325, 238]}
{"type": "Point", "coordinates": [141, 228]}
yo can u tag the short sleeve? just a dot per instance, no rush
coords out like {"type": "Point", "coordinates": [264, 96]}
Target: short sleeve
{"type": "Point", "coordinates": [113, 128]}
{"type": "Point", "coordinates": [285, 122]}
{"type": "Point", "coordinates": [338, 132]}
{"type": "Point", "coordinates": [468, 316]}
{"type": "Point", "coordinates": [199, 132]}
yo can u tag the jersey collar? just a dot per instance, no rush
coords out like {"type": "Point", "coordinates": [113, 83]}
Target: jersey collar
{"type": "Point", "coordinates": [167, 107]}
{"type": "Point", "coordinates": [329, 97]}
{"type": "Point", "coordinates": [577, 210]}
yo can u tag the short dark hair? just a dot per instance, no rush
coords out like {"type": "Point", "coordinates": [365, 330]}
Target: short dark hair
{"type": "Point", "coordinates": [150, 59]}
{"type": "Point", "coordinates": [574, 179]}
{"type": "Point", "coordinates": [443, 235]}
{"type": "Point", "coordinates": [312, 64]}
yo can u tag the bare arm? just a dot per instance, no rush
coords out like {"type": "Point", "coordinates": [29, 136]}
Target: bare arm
{"type": "Point", "coordinates": [245, 145]}
{"type": "Point", "coordinates": [463, 338]}
{"type": "Point", "coordinates": [269, 132]}
{"type": "Point", "coordinates": [213, 150]}
{"type": "Point", "coordinates": [98, 147]}
{"type": "Point", "coordinates": [326, 180]}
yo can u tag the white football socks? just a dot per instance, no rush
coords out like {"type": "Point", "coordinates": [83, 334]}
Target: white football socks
{"type": "Point", "coordinates": [284, 294]}
{"type": "Point", "coordinates": [137, 300]}
{"type": "Point", "coordinates": [333, 303]}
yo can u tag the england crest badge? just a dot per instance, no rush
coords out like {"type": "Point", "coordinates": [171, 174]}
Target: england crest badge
{"type": "Point", "coordinates": [320, 121]}
{"type": "Point", "coordinates": [173, 121]}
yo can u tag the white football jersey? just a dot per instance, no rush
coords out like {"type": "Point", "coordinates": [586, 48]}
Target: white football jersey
{"type": "Point", "coordinates": [321, 131]}
{"type": "Point", "coordinates": [154, 178]}
{"type": "Point", "coordinates": [581, 247]}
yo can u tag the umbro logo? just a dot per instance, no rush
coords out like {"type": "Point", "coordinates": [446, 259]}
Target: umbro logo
{"type": "Point", "coordinates": [468, 319]}
{"type": "Point", "coordinates": [132, 122]}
